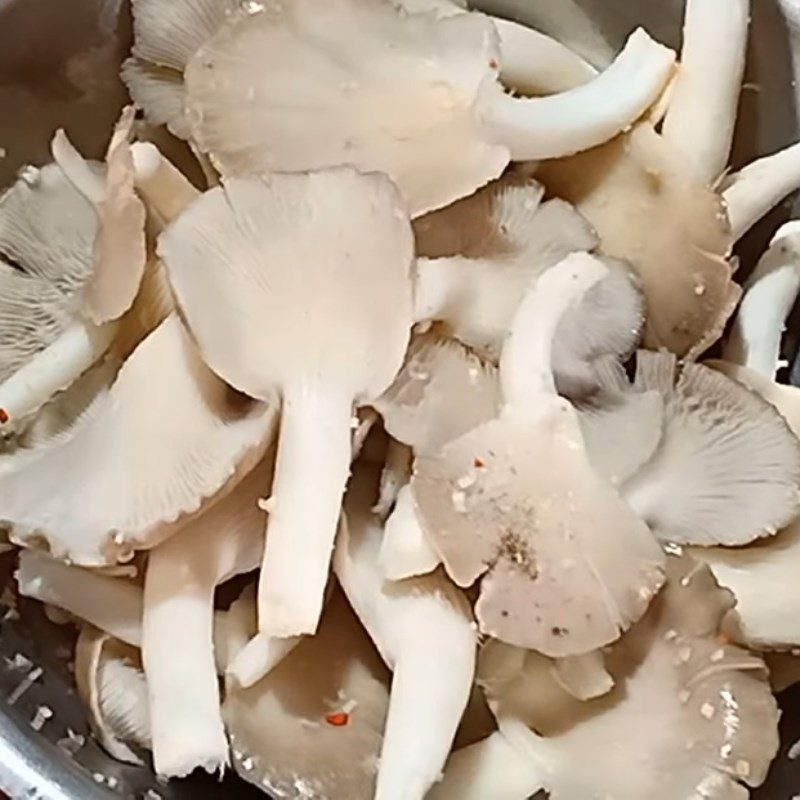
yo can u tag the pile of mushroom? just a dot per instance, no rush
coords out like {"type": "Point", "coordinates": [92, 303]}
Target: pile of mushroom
{"type": "Point", "coordinates": [421, 365]}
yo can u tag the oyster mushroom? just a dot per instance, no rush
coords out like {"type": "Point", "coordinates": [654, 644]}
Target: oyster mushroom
{"type": "Point", "coordinates": [766, 615]}
{"type": "Point", "coordinates": [131, 468]}
{"type": "Point", "coordinates": [313, 726]}
{"type": "Point", "coordinates": [715, 718]}
{"type": "Point", "coordinates": [423, 629]}
{"type": "Point", "coordinates": [47, 231]}
{"type": "Point", "coordinates": [770, 293]}
{"type": "Point", "coordinates": [727, 468]}
{"type": "Point", "coordinates": [110, 681]}
{"type": "Point", "coordinates": [463, 130]}
{"type": "Point", "coordinates": [482, 252]}
{"type": "Point", "coordinates": [182, 575]}
{"type": "Point", "coordinates": [241, 260]}
{"type": "Point", "coordinates": [569, 566]}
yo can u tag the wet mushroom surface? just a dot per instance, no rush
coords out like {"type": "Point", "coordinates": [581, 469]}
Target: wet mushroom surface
{"type": "Point", "coordinates": [420, 432]}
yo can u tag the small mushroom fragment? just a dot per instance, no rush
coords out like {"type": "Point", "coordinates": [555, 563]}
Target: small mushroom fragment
{"type": "Point", "coordinates": [727, 468]}
{"type": "Point", "coordinates": [177, 640]}
{"type": "Point", "coordinates": [710, 716]}
{"type": "Point", "coordinates": [47, 231]}
{"type": "Point", "coordinates": [395, 475]}
{"type": "Point", "coordinates": [120, 251]}
{"type": "Point", "coordinates": [584, 677]}
{"type": "Point", "coordinates": [241, 260]}
{"type": "Point", "coordinates": [770, 293]}
{"type": "Point", "coordinates": [481, 254]}
{"type": "Point", "coordinates": [767, 615]}
{"type": "Point", "coordinates": [312, 727]}
{"type": "Point", "coordinates": [423, 629]}
{"type": "Point", "coordinates": [569, 565]}
{"type": "Point", "coordinates": [411, 95]}
{"type": "Point", "coordinates": [111, 683]}
{"type": "Point", "coordinates": [702, 110]}
{"type": "Point", "coordinates": [442, 392]}
{"type": "Point", "coordinates": [131, 468]}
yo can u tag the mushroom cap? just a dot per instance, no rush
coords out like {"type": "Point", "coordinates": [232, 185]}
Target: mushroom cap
{"type": "Point", "coordinates": [132, 465]}
{"type": "Point", "coordinates": [728, 467]}
{"type": "Point", "coordinates": [441, 392]}
{"type": "Point", "coordinates": [688, 717]}
{"type": "Point", "coordinates": [680, 244]}
{"type": "Point", "coordinates": [243, 258]}
{"type": "Point", "coordinates": [393, 92]}
{"type": "Point", "coordinates": [110, 681]}
{"type": "Point", "coordinates": [284, 730]}
{"type": "Point", "coordinates": [569, 566]}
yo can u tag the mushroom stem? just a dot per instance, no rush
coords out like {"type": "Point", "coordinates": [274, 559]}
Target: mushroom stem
{"type": "Point", "coordinates": [770, 294]}
{"type": "Point", "coordinates": [405, 551]}
{"type": "Point", "coordinates": [526, 362]}
{"type": "Point", "coordinates": [164, 188]}
{"type": "Point", "coordinates": [89, 182]}
{"type": "Point", "coordinates": [535, 64]}
{"type": "Point", "coordinates": [311, 472]}
{"type": "Point", "coordinates": [111, 604]}
{"type": "Point", "coordinates": [489, 768]}
{"type": "Point", "coordinates": [759, 187]}
{"type": "Point", "coordinates": [437, 282]}
{"type": "Point", "coordinates": [259, 657]}
{"type": "Point", "coordinates": [178, 658]}
{"type": "Point", "coordinates": [702, 111]}
{"type": "Point", "coordinates": [589, 115]}
{"type": "Point", "coordinates": [54, 368]}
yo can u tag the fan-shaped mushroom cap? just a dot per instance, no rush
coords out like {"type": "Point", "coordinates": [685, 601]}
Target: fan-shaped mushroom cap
{"type": "Point", "coordinates": [110, 681]}
{"type": "Point", "coordinates": [679, 245]}
{"type": "Point", "coordinates": [133, 465]}
{"type": "Point", "coordinates": [766, 615]}
{"type": "Point", "coordinates": [569, 566]}
{"type": "Point", "coordinates": [728, 467]}
{"type": "Point", "coordinates": [688, 717]}
{"type": "Point", "coordinates": [441, 392]}
{"type": "Point", "coordinates": [447, 101]}
{"type": "Point", "coordinates": [313, 726]}
{"type": "Point", "coordinates": [242, 260]}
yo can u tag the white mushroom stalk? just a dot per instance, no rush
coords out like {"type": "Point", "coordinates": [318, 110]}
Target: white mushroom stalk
{"type": "Point", "coordinates": [757, 188]}
{"type": "Point", "coordinates": [242, 115]}
{"type": "Point", "coordinates": [702, 110]}
{"type": "Point", "coordinates": [498, 499]}
{"type": "Point", "coordinates": [94, 505]}
{"type": "Point", "coordinates": [424, 631]}
{"type": "Point", "coordinates": [770, 294]}
{"type": "Point", "coordinates": [178, 623]}
{"type": "Point", "coordinates": [727, 469]}
{"type": "Point", "coordinates": [242, 259]}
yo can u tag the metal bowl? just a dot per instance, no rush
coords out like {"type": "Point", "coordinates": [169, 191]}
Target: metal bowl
{"type": "Point", "coordinates": [59, 61]}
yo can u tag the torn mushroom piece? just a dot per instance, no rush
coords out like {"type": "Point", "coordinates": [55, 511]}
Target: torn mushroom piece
{"type": "Point", "coordinates": [120, 251]}
{"type": "Point", "coordinates": [770, 293]}
{"type": "Point", "coordinates": [47, 232]}
{"type": "Point", "coordinates": [766, 615]}
{"type": "Point", "coordinates": [711, 718]}
{"type": "Point", "coordinates": [427, 109]}
{"type": "Point", "coordinates": [727, 468]}
{"type": "Point", "coordinates": [423, 629]}
{"type": "Point", "coordinates": [178, 623]}
{"type": "Point", "coordinates": [110, 681]}
{"type": "Point", "coordinates": [482, 252]}
{"type": "Point", "coordinates": [166, 35]}
{"type": "Point", "coordinates": [313, 726]}
{"type": "Point", "coordinates": [569, 566]}
{"type": "Point", "coordinates": [132, 467]}
{"type": "Point", "coordinates": [241, 260]}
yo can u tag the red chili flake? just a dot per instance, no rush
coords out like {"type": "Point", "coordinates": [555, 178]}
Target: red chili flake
{"type": "Point", "coordinates": [3, 416]}
{"type": "Point", "coordinates": [338, 719]}
{"type": "Point", "coordinates": [478, 463]}
{"type": "Point", "coordinates": [493, 63]}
